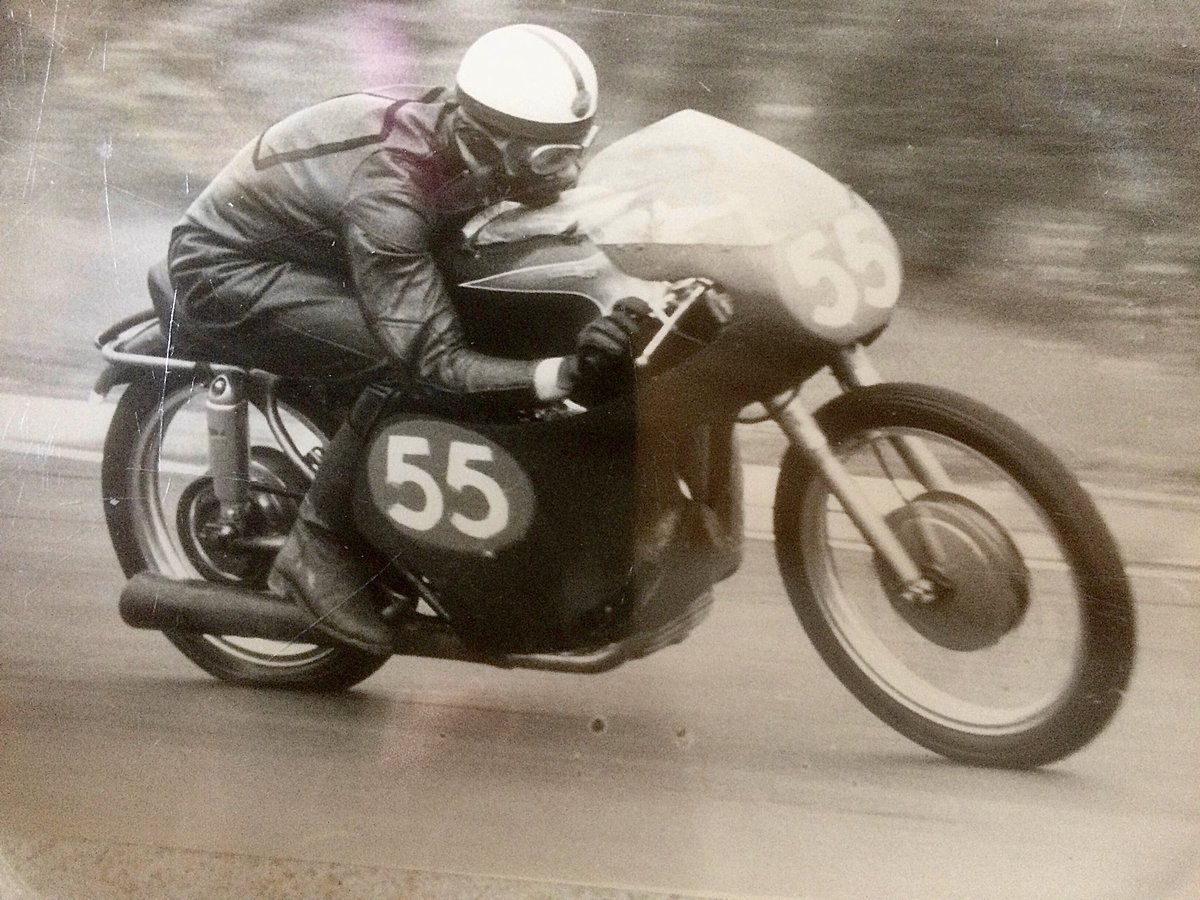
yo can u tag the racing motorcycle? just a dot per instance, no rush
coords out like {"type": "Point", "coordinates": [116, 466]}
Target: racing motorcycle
{"type": "Point", "coordinates": [948, 568]}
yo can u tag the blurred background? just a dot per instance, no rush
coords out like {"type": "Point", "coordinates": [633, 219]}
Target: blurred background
{"type": "Point", "coordinates": [1036, 159]}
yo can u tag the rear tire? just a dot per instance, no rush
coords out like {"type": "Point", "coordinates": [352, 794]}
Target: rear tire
{"type": "Point", "coordinates": [154, 456]}
{"type": "Point", "coordinates": [1022, 660]}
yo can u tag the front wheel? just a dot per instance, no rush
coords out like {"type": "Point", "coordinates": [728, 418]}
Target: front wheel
{"type": "Point", "coordinates": [158, 498]}
{"type": "Point", "coordinates": [1022, 651]}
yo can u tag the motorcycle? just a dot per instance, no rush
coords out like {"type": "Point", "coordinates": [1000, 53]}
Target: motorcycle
{"type": "Point", "coordinates": [947, 567]}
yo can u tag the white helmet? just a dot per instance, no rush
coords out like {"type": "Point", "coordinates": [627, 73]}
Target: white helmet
{"type": "Point", "coordinates": [529, 81]}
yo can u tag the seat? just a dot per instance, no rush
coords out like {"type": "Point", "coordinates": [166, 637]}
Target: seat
{"type": "Point", "coordinates": [162, 294]}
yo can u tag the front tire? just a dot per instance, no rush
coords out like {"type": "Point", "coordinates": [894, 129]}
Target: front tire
{"type": "Point", "coordinates": [154, 483]}
{"type": "Point", "coordinates": [1026, 652]}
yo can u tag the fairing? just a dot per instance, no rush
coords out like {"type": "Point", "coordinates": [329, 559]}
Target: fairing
{"type": "Point", "coordinates": [692, 195]}
{"type": "Point", "coordinates": [523, 530]}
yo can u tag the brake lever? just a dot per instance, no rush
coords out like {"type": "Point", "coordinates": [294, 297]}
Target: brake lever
{"type": "Point", "coordinates": [691, 289]}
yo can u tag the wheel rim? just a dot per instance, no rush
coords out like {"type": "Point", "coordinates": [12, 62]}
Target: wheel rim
{"type": "Point", "coordinates": [170, 455]}
{"type": "Point", "coordinates": [1003, 679]}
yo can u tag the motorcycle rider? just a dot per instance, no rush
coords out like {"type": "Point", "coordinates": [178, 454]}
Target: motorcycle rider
{"type": "Point", "coordinates": [311, 254]}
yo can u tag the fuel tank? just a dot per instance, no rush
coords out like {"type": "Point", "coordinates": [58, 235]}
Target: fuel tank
{"type": "Point", "coordinates": [528, 298]}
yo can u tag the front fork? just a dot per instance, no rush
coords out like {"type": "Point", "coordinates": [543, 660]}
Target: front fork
{"type": "Point", "coordinates": [854, 369]}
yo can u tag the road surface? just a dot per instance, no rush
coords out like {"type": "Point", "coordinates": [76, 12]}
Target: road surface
{"type": "Point", "coordinates": [730, 765]}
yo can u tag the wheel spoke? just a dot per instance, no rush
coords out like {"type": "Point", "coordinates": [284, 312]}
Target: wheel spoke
{"type": "Point", "coordinates": [1022, 649]}
{"type": "Point", "coordinates": [169, 456]}
{"type": "Point", "coordinates": [1007, 686]}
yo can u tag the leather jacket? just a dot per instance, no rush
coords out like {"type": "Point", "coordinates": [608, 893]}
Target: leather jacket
{"type": "Point", "coordinates": [366, 185]}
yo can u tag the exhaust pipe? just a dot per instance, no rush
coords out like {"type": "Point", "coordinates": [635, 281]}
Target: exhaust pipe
{"type": "Point", "coordinates": [154, 601]}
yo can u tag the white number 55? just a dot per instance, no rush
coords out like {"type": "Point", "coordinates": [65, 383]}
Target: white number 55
{"type": "Point", "coordinates": [460, 475]}
{"type": "Point", "coordinates": [861, 255]}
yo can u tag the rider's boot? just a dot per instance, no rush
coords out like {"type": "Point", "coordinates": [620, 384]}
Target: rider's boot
{"type": "Point", "coordinates": [322, 572]}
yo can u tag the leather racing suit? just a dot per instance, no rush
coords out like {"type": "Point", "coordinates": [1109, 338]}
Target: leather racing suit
{"type": "Point", "coordinates": [309, 254]}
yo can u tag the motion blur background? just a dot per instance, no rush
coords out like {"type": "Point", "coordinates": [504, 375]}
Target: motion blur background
{"type": "Point", "coordinates": [1037, 159]}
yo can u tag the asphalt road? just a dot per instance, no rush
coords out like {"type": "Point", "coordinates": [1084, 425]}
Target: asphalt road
{"type": "Point", "coordinates": [731, 765]}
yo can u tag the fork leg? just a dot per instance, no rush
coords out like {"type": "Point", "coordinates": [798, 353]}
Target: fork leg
{"type": "Point", "coordinates": [853, 368]}
{"type": "Point", "coordinates": [804, 433]}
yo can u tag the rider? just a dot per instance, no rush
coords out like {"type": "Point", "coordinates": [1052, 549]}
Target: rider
{"type": "Point", "coordinates": [310, 254]}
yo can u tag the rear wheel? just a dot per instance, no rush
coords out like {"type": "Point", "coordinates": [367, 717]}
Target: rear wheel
{"type": "Point", "coordinates": [1022, 651]}
{"type": "Point", "coordinates": [158, 498]}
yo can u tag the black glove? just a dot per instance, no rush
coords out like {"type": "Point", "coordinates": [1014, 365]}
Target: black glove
{"type": "Point", "coordinates": [602, 366]}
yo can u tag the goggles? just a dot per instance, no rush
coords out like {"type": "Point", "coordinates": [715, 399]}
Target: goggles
{"type": "Point", "coordinates": [551, 159]}
{"type": "Point", "coordinates": [520, 155]}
